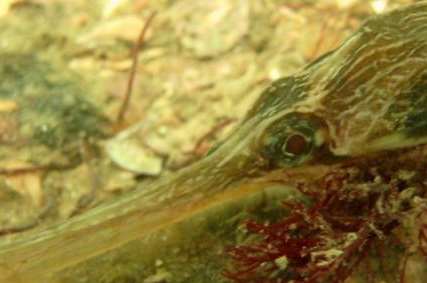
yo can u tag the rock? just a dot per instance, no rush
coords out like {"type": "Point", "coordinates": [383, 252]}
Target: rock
{"type": "Point", "coordinates": [209, 28]}
{"type": "Point", "coordinates": [128, 153]}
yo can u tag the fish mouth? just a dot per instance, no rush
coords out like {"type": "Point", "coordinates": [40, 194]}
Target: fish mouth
{"type": "Point", "coordinates": [233, 171]}
{"type": "Point", "coordinates": [214, 180]}
{"type": "Point", "coordinates": [32, 256]}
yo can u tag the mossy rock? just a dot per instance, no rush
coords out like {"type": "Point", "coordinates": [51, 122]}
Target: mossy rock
{"type": "Point", "coordinates": [52, 110]}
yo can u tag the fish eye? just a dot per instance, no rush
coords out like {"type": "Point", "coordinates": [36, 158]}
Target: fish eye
{"type": "Point", "coordinates": [287, 149]}
{"type": "Point", "coordinates": [289, 141]}
{"type": "Point", "coordinates": [296, 145]}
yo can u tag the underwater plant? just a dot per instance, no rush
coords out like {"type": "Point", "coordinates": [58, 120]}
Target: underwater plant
{"type": "Point", "coordinates": [352, 219]}
{"type": "Point", "coordinates": [351, 124]}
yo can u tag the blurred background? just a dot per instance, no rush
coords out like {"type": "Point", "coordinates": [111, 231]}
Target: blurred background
{"type": "Point", "coordinates": [65, 66]}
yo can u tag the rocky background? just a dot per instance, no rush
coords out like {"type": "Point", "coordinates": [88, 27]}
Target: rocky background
{"type": "Point", "coordinates": [65, 66]}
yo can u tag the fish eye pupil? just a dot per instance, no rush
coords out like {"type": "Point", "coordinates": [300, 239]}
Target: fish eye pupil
{"type": "Point", "coordinates": [295, 145]}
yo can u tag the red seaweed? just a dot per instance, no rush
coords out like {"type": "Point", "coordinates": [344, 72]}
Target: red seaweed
{"type": "Point", "coordinates": [350, 216]}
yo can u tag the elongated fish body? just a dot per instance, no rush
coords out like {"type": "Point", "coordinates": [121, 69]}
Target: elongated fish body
{"type": "Point", "coordinates": [368, 95]}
